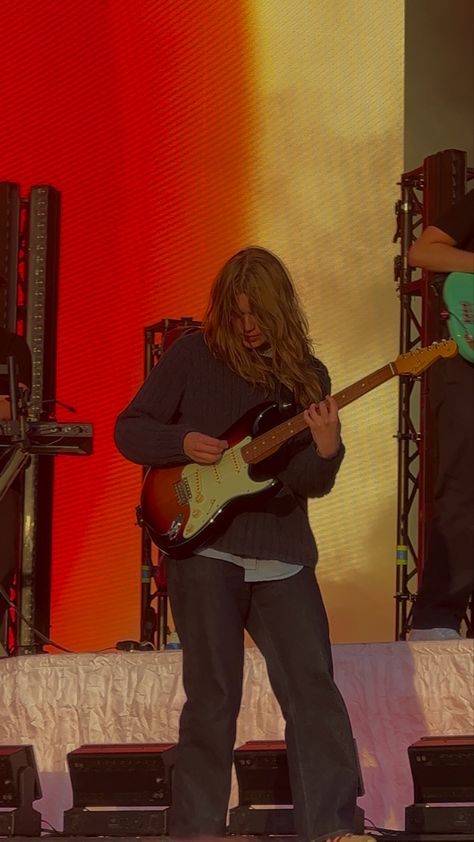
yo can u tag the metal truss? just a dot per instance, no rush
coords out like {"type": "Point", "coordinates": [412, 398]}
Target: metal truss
{"type": "Point", "coordinates": [10, 205]}
{"type": "Point", "coordinates": [154, 596]}
{"type": "Point", "coordinates": [425, 193]}
{"type": "Point", "coordinates": [9, 245]}
{"type": "Point", "coordinates": [41, 265]}
{"type": "Point", "coordinates": [29, 254]}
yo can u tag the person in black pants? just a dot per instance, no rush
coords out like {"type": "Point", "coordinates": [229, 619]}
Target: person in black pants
{"type": "Point", "coordinates": [448, 570]}
{"type": "Point", "coordinates": [257, 571]}
{"type": "Point", "coordinates": [10, 505]}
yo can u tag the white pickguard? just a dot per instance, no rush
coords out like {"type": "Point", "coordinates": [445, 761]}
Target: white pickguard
{"type": "Point", "coordinates": [211, 486]}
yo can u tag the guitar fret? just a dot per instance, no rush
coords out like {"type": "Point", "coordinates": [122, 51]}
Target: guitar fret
{"type": "Point", "coordinates": [260, 447]}
{"type": "Point", "coordinates": [279, 435]}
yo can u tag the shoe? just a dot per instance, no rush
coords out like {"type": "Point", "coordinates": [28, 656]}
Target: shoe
{"type": "Point", "coordinates": [434, 634]}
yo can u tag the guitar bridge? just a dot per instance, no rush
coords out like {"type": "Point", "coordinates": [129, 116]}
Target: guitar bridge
{"type": "Point", "coordinates": [175, 528]}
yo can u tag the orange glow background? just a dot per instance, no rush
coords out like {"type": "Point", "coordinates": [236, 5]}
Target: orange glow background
{"type": "Point", "coordinates": [145, 116]}
{"type": "Point", "coordinates": [149, 151]}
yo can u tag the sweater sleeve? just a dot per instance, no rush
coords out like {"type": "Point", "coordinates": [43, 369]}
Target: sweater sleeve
{"type": "Point", "coordinates": [458, 220]}
{"type": "Point", "coordinates": [307, 473]}
{"type": "Point", "coordinates": [146, 431]}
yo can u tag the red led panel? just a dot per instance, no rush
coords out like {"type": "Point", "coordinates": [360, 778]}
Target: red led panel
{"type": "Point", "coordinates": [141, 115]}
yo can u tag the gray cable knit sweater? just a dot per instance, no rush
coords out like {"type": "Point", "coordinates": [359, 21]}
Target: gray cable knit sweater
{"type": "Point", "coordinates": [190, 390]}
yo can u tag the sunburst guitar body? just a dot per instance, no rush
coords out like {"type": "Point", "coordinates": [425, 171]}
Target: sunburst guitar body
{"type": "Point", "coordinates": [458, 292]}
{"type": "Point", "coordinates": [180, 505]}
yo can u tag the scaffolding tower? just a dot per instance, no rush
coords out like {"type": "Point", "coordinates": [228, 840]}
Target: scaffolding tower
{"type": "Point", "coordinates": [154, 620]}
{"type": "Point", "coordinates": [426, 192]}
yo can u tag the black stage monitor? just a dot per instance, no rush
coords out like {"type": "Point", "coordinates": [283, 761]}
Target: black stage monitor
{"type": "Point", "coordinates": [19, 781]}
{"type": "Point", "coordinates": [19, 787]}
{"type": "Point", "coordinates": [122, 775]}
{"type": "Point", "coordinates": [262, 773]}
{"type": "Point", "coordinates": [443, 769]}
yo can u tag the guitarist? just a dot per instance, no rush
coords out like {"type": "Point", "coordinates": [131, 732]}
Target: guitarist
{"type": "Point", "coordinates": [258, 573]}
{"type": "Point", "coordinates": [448, 571]}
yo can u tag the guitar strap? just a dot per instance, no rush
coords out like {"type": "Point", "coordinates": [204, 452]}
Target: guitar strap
{"type": "Point", "coordinates": [283, 396]}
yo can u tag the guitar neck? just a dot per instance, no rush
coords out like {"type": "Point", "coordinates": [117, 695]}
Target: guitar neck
{"type": "Point", "coordinates": [262, 446]}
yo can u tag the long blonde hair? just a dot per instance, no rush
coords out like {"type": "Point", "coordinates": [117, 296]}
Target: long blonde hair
{"type": "Point", "coordinates": [275, 305]}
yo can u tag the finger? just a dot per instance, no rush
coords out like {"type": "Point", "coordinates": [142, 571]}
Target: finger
{"type": "Point", "coordinates": [317, 413]}
{"type": "Point", "coordinates": [325, 411]}
{"type": "Point", "coordinates": [209, 440]}
{"type": "Point", "coordinates": [332, 406]}
{"type": "Point", "coordinates": [313, 421]}
{"type": "Point", "coordinates": [208, 450]}
{"type": "Point", "coordinates": [324, 408]}
{"type": "Point", "coordinates": [212, 449]}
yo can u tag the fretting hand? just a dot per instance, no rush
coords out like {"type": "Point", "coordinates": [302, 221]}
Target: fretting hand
{"type": "Point", "coordinates": [323, 421]}
{"type": "Point", "coordinates": [203, 449]}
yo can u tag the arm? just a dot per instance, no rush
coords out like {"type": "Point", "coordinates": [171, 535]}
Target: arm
{"type": "Point", "coordinates": [307, 473]}
{"type": "Point", "coordinates": [437, 251]}
{"type": "Point", "coordinates": [447, 245]}
{"type": "Point", "coordinates": [146, 431]}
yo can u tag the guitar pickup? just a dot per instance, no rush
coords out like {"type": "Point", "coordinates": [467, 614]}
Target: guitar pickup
{"type": "Point", "coordinates": [183, 491]}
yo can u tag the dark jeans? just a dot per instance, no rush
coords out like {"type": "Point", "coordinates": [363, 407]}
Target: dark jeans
{"type": "Point", "coordinates": [211, 606]}
{"type": "Point", "coordinates": [448, 572]}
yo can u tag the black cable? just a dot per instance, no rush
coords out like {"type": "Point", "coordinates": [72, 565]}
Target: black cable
{"type": "Point", "coordinates": [51, 831]}
{"type": "Point", "coordinates": [144, 646]}
{"type": "Point", "coordinates": [385, 831]}
{"type": "Point", "coordinates": [38, 634]}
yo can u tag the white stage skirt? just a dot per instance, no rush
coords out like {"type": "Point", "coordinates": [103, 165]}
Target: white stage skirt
{"type": "Point", "coordinates": [395, 693]}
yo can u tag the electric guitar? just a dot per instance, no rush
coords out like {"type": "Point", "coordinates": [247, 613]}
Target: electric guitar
{"type": "Point", "coordinates": [182, 505]}
{"type": "Point", "coordinates": [458, 293]}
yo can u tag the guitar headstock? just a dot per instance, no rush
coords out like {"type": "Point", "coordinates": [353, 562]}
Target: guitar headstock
{"type": "Point", "coordinates": [414, 362]}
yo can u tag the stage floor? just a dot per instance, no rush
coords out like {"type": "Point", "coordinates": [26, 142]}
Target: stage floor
{"type": "Point", "coordinates": [431, 837]}
{"type": "Point", "coordinates": [395, 692]}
